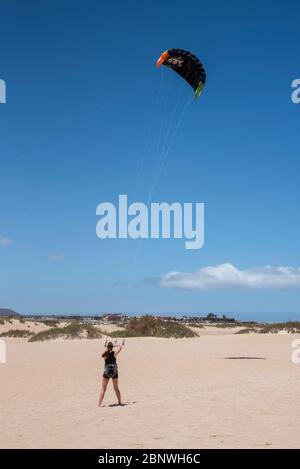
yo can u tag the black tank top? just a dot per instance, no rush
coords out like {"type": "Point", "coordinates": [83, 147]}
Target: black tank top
{"type": "Point", "coordinates": [110, 359]}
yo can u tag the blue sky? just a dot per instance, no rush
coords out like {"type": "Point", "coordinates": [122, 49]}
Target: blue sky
{"type": "Point", "coordinates": [81, 86]}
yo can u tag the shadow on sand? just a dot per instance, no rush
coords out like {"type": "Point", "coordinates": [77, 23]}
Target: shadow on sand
{"type": "Point", "coordinates": [122, 405]}
{"type": "Point", "coordinates": [244, 358]}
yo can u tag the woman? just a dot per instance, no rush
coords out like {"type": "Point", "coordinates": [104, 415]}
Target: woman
{"type": "Point", "coordinates": [110, 371]}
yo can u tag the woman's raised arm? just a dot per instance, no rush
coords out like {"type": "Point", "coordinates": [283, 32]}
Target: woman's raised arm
{"type": "Point", "coordinates": [120, 348]}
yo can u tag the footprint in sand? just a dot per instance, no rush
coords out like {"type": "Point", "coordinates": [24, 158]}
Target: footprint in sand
{"type": "Point", "coordinates": [217, 436]}
{"type": "Point", "coordinates": [263, 444]}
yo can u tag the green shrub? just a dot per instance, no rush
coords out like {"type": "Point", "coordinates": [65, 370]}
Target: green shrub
{"type": "Point", "coordinates": [50, 323]}
{"type": "Point", "coordinates": [92, 332]}
{"type": "Point", "coordinates": [71, 331]}
{"type": "Point", "coordinates": [149, 326]}
{"type": "Point", "coordinates": [7, 319]}
{"type": "Point", "coordinates": [246, 330]}
{"type": "Point", "coordinates": [18, 333]}
{"type": "Point", "coordinates": [226, 325]}
{"type": "Point", "coordinates": [196, 324]}
{"type": "Point", "coordinates": [292, 327]}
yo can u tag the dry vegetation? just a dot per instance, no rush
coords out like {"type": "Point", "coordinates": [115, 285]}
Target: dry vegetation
{"type": "Point", "coordinates": [145, 326]}
{"type": "Point", "coordinates": [149, 326]}
{"type": "Point", "coordinates": [18, 333]}
{"type": "Point", "coordinates": [71, 331]}
{"type": "Point", "coordinates": [290, 327]}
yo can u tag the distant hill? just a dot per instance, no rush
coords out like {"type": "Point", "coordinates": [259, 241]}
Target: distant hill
{"type": "Point", "coordinates": [8, 312]}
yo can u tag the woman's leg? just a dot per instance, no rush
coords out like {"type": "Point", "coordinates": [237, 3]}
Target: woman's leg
{"type": "Point", "coordinates": [102, 391]}
{"type": "Point", "coordinates": [117, 390]}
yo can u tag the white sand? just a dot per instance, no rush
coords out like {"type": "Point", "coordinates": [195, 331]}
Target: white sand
{"type": "Point", "coordinates": [179, 394]}
{"type": "Point", "coordinates": [31, 326]}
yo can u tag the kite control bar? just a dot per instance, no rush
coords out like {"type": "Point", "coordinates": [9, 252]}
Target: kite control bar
{"type": "Point", "coordinates": [115, 344]}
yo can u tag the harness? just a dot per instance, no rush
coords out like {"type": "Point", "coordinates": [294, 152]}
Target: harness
{"type": "Point", "coordinates": [111, 370]}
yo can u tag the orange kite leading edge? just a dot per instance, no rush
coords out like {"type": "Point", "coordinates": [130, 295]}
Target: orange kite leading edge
{"type": "Point", "coordinates": [162, 58]}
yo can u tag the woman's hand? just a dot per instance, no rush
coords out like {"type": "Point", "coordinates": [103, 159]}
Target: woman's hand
{"type": "Point", "coordinates": [120, 348]}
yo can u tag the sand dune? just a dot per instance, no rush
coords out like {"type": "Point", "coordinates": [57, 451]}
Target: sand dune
{"type": "Point", "coordinates": [178, 393]}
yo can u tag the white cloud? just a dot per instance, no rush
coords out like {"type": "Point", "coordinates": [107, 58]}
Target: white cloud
{"type": "Point", "coordinates": [227, 276]}
{"type": "Point", "coordinates": [56, 257]}
{"type": "Point", "coordinates": [5, 242]}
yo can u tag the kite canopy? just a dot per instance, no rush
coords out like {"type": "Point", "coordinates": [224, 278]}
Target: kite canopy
{"type": "Point", "coordinates": [187, 66]}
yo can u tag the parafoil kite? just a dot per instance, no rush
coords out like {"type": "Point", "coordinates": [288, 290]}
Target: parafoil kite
{"type": "Point", "coordinates": [187, 66]}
